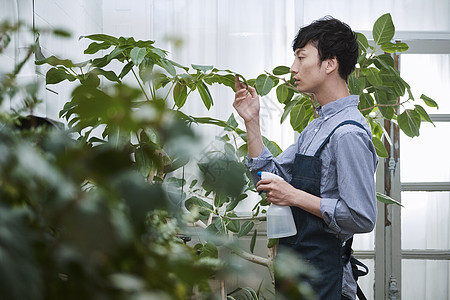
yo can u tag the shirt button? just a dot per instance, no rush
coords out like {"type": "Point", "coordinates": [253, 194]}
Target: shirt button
{"type": "Point", "coordinates": [326, 118]}
{"type": "Point", "coordinates": [315, 130]}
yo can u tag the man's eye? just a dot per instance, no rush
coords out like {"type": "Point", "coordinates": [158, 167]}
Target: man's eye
{"type": "Point", "coordinates": [300, 57]}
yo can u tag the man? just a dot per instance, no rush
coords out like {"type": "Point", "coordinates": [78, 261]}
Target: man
{"type": "Point", "coordinates": [329, 172]}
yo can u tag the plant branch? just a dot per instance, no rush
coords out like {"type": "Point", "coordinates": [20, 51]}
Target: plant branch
{"type": "Point", "coordinates": [247, 218]}
{"type": "Point", "coordinates": [281, 78]}
{"type": "Point", "coordinates": [312, 99]}
{"type": "Point", "coordinates": [200, 223]}
{"type": "Point", "coordinates": [167, 95]}
{"type": "Point", "coordinates": [139, 82]}
{"type": "Point", "coordinates": [271, 258]}
{"type": "Point", "coordinates": [250, 257]}
{"type": "Point", "coordinates": [384, 105]}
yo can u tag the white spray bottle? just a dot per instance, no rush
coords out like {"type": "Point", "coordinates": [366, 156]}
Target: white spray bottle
{"type": "Point", "coordinates": [280, 222]}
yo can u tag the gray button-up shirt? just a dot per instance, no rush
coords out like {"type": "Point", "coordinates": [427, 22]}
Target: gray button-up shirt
{"type": "Point", "coordinates": [349, 161]}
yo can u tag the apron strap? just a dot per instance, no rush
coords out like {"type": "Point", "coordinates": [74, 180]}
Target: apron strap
{"type": "Point", "coordinates": [319, 150]}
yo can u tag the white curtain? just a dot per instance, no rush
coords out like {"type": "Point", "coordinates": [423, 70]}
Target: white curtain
{"type": "Point", "coordinates": [254, 36]}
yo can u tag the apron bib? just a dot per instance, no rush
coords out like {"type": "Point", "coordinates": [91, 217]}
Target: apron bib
{"type": "Point", "coordinates": [321, 249]}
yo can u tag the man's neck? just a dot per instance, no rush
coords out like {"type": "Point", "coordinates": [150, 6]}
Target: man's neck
{"type": "Point", "coordinates": [332, 92]}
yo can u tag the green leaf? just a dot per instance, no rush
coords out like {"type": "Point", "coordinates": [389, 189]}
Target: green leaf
{"type": "Point", "coordinates": [202, 68]}
{"type": "Point", "coordinates": [385, 96]}
{"type": "Point", "coordinates": [100, 62]}
{"type": "Point", "coordinates": [158, 79]}
{"type": "Point", "coordinates": [193, 183]}
{"type": "Point", "coordinates": [162, 54]}
{"type": "Point", "coordinates": [233, 225]}
{"type": "Point", "coordinates": [373, 76]}
{"type": "Point", "coordinates": [56, 75]}
{"type": "Point", "coordinates": [287, 110]}
{"type": "Point", "coordinates": [176, 182]}
{"type": "Point", "coordinates": [194, 202]}
{"type": "Point", "coordinates": [137, 55]}
{"type": "Point", "coordinates": [409, 121]}
{"type": "Point", "coordinates": [246, 227]}
{"type": "Point", "coordinates": [95, 47]}
{"type": "Point", "coordinates": [384, 61]}
{"type": "Point", "coordinates": [227, 80]}
{"type": "Point", "coordinates": [245, 293]}
{"type": "Point", "coordinates": [61, 32]}
{"type": "Point", "coordinates": [392, 48]}
{"type": "Point", "coordinates": [232, 121]}
{"type": "Point", "coordinates": [383, 30]}
{"type": "Point", "coordinates": [205, 94]}
{"type": "Point", "coordinates": [229, 149]}
{"type": "Point", "coordinates": [388, 200]}
{"type": "Point", "coordinates": [110, 75]}
{"type": "Point", "coordinates": [354, 84]}
{"type": "Point", "coordinates": [362, 41]}
{"type": "Point", "coordinates": [392, 81]}
{"type": "Point", "coordinates": [232, 204]}
{"type": "Point", "coordinates": [284, 93]}
{"type": "Point", "coordinates": [272, 243]}
{"type": "Point", "coordinates": [379, 147]}
{"type": "Point", "coordinates": [206, 120]}
{"type": "Point", "coordinates": [272, 146]}
{"type": "Point", "coordinates": [179, 94]}
{"type": "Point", "coordinates": [54, 61]}
{"type": "Point", "coordinates": [115, 54]}
{"type": "Point", "coordinates": [263, 84]}
{"type": "Point", "coordinates": [220, 200]}
{"type": "Point", "coordinates": [423, 113]}
{"type": "Point", "coordinates": [365, 102]}
{"type": "Point", "coordinates": [176, 64]}
{"type": "Point", "coordinates": [220, 225]}
{"type": "Point", "coordinates": [209, 250]}
{"type": "Point", "coordinates": [281, 70]}
{"type": "Point", "coordinates": [102, 38]}
{"type": "Point", "coordinates": [253, 241]}
{"type": "Point", "coordinates": [126, 69]}
{"type": "Point", "coordinates": [298, 116]}
{"type": "Point", "coordinates": [168, 66]}
{"type": "Point", "coordinates": [428, 101]}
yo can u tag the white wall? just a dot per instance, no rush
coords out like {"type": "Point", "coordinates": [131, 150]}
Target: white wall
{"type": "Point", "coordinates": [80, 17]}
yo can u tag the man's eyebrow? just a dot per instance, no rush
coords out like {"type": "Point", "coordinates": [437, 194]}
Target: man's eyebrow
{"type": "Point", "coordinates": [298, 50]}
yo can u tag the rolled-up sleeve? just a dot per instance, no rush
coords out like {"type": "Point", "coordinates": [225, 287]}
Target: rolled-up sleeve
{"type": "Point", "coordinates": [354, 211]}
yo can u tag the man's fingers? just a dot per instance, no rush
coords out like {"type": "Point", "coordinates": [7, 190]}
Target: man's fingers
{"type": "Point", "coordinates": [252, 91]}
{"type": "Point", "coordinates": [237, 83]}
{"type": "Point", "coordinates": [243, 93]}
{"type": "Point", "coordinates": [263, 184]}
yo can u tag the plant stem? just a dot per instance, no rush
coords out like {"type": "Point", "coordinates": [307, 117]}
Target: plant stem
{"type": "Point", "coordinates": [270, 265]}
{"type": "Point", "coordinates": [250, 257]}
{"type": "Point", "coordinates": [281, 78]}
{"type": "Point", "coordinates": [247, 218]}
{"type": "Point", "coordinates": [165, 98]}
{"type": "Point", "coordinates": [140, 85]}
{"type": "Point", "coordinates": [384, 105]}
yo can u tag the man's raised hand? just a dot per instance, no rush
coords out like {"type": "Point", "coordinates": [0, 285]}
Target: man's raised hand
{"type": "Point", "coordinates": [246, 101]}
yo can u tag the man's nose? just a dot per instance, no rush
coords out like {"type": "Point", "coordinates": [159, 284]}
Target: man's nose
{"type": "Point", "coordinates": [293, 68]}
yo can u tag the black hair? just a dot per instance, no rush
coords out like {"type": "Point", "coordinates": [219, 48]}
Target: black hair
{"type": "Point", "coordinates": [332, 38]}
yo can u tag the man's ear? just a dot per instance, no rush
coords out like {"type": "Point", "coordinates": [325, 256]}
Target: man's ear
{"type": "Point", "coordinates": [332, 65]}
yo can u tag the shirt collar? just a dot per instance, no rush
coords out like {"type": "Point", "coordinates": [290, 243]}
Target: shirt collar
{"type": "Point", "coordinates": [336, 106]}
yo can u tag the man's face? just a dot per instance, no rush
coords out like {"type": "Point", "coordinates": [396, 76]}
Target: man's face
{"type": "Point", "coordinates": [308, 70]}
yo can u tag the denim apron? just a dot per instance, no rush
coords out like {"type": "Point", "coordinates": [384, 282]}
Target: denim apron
{"type": "Point", "coordinates": [321, 249]}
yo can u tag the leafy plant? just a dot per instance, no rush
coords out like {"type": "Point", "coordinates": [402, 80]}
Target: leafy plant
{"type": "Point", "coordinates": [78, 219]}
{"type": "Point", "coordinates": [103, 213]}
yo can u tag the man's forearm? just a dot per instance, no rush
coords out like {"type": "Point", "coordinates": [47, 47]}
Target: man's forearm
{"type": "Point", "coordinates": [254, 138]}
